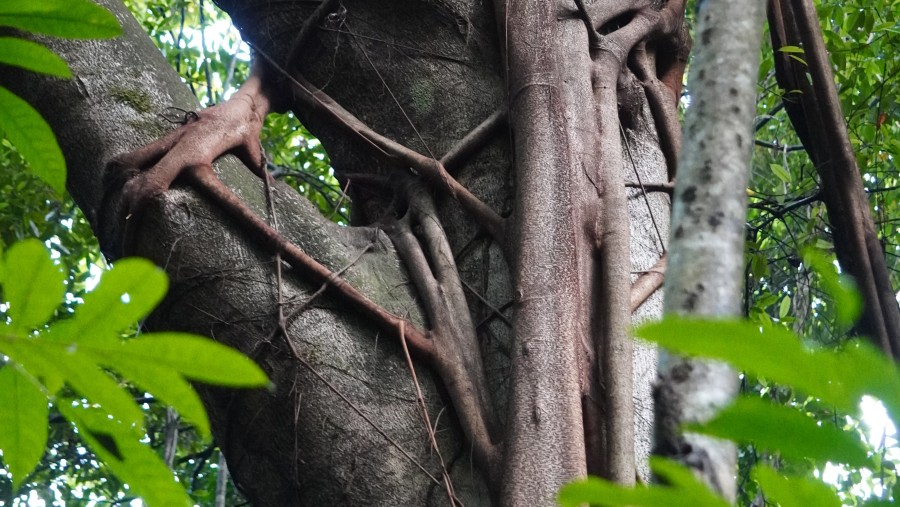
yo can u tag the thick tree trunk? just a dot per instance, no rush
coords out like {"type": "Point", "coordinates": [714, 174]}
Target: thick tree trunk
{"type": "Point", "coordinates": [546, 275]}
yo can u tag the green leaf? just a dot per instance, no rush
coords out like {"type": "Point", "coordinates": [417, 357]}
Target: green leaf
{"type": "Point", "coordinates": [129, 459]}
{"type": "Point", "coordinates": [83, 374]}
{"type": "Point", "coordinates": [125, 294]}
{"type": "Point", "coordinates": [840, 378]}
{"type": "Point", "coordinates": [823, 244]}
{"type": "Point", "coordinates": [784, 308]}
{"type": "Point", "coordinates": [33, 138]}
{"type": "Point", "coordinates": [790, 49]}
{"type": "Point", "coordinates": [33, 286]}
{"type": "Point", "coordinates": [18, 348]}
{"type": "Point", "coordinates": [786, 430]}
{"type": "Point", "coordinates": [66, 363]}
{"type": "Point", "coordinates": [847, 301]}
{"type": "Point", "coordinates": [683, 490]}
{"type": "Point", "coordinates": [64, 18]}
{"type": "Point", "coordinates": [780, 172]}
{"type": "Point", "coordinates": [23, 417]}
{"type": "Point", "coordinates": [861, 369]}
{"type": "Point", "coordinates": [198, 358]}
{"type": "Point", "coordinates": [794, 491]}
{"type": "Point", "coordinates": [164, 383]}
{"type": "Point", "coordinates": [32, 56]}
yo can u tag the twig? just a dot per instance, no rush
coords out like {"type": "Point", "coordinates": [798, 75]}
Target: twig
{"type": "Point", "coordinates": [476, 139]}
{"type": "Point", "coordinates": [420, 400]}
{"type": "Point", "coordinates": [667, 187]}
{"type": "Point", "coordinates": [662, 243]}
{"type": "Point", "coordinates": [431, 169]}
{"type": "Point", "coordinates": [648, 283]}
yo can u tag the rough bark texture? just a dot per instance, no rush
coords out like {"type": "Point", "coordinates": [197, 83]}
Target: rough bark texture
{"type": "Point", "coordinates": [544, 276]}
{"type": "Point", "coordinates": [705, 272]}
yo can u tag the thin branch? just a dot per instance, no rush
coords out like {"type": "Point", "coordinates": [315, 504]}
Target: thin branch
{"type": "Point", "coordinates": [475, 140]}
{"type": "Point", "coordinates": [667, 187]}
{"type": "Point", "coordinates": [648, 283]}
{"type": "Point", "coordinates": [420, 400]}
{"type": "Point", "coordinates": [778, 147]}
{"type": "Point", "coordinates": [432, 170]}
{"type": "Point", "coordinates": [637, 174]}
{"type": "Point", "coordinates": [206, 182]}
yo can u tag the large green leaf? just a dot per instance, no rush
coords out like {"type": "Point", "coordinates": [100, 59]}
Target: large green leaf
{"type": "Point", "coordinates": [64, 18]}
{"type": "Point", "coordinates": [164, 383]}
{"type": "Point", "coordinates": [33, 138]}
{"type": "Point", "coordinates": [840, 378]}
{"type": "Point", "coordinates": [683, 489]}
{"type": "Point", "coordinates": [125, 294]}
{"type": "Point", "coordinates": [198, 358]}
{"type": "Point", "coordinates": [132, 461]}
{"type": "Point", "coordinates": [794, 491]}
{"type": "Point", "coordinates": [16, 345]}
{"type": "Point", "coordinates": [23, 419]}
{"type": "Point", "coordinates": [80, 371]}
{"type": "Point", "coordinates": [33, 284]}
{"type": "Point", "coordinates": [32, 56]}
{"type": "Point", "coordinates": [785, 430]}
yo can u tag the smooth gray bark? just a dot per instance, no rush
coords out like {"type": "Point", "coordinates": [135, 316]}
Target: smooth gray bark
{"type": "Point", "coordinates": [705, 273]}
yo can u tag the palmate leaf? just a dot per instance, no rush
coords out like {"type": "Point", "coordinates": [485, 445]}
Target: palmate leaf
{"type": "Point", "coordinates": [32, 56]}
{"type": "Point", "coordinates": [165, 383]}
{"type": "Point", "coordinates": [121, 450]}
{"type": "Point", "coordinates": [62, 18]}
{"type": "Point", "coordinates": [23, 419]}
{"type": "Point", "coordinates": [125, 294]}
{"type": "Point", "coordinates": [198, 358]}
{"type": "Point", "coordinates": [80, 352]}
{"type": "Point", "coordinates": [33, 138]}
{"type": "Point", "coordinates": [785, 429]}
{"type": "Point", "coordinates": [159, 363]}
{"type": "Point", "coordinates": [43, 358]}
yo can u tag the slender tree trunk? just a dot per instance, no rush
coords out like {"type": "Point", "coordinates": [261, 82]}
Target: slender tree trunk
{"type": "Point", "coordinates": [705, 272]}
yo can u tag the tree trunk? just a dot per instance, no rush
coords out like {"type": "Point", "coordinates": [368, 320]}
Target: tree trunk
{"type": "Point", "coordinates": [546, 231]}
{"type": "Point", "coordinates": [706, 269]}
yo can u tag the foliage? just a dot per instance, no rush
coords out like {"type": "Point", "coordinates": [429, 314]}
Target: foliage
{"type": "Point", "coordinates": [787, 220]}
{"type": "Point", "coordinates": [790, 431]}
{"type": "Point", "coordinates": [68, 361]}
{"type": "Point", "coordinates": [837, 378]}
{"type": "Point", "coordinates": [20, 123]}
{"type": "Point", "coordinates": [787, 216]}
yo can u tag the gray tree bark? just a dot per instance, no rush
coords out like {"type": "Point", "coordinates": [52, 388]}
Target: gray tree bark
{"type": "Point", "coordinates": [705, 273]}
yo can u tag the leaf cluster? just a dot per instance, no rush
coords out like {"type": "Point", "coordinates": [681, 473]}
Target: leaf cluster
{"type": "Point", "coordinates": [78, 365]}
